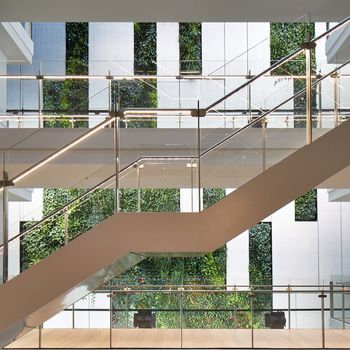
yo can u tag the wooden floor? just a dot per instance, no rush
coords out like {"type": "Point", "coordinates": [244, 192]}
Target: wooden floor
{"type": "Point", "coordinates": [187, 338]}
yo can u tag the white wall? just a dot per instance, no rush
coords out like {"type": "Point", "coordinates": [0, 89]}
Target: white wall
{"type": "Point", "coordinates": [302, 253]}
{"type": "Point", "coordinates": [3, 70]}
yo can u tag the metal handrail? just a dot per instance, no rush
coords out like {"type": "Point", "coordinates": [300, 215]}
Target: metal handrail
{"type": "Point", "coordinates": [85, 194]}
{"type": "Point", "coordinates": [259, 118]}
{"type": "Point", "coordinates": [112, 118]}
{"type": "Point", "coordinates": [271, 68]}
{"type": "Point", "coordinates": [210, 149]}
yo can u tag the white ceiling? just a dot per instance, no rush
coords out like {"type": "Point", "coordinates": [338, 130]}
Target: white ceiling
{"type": "Point", "coordinates": [174, 10]}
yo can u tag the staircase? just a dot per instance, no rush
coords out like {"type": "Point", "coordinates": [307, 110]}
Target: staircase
{"type": "Point", "coordinates": [121, 240]}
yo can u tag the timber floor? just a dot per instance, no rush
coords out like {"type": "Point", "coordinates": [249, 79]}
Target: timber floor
{"type": "Point", "coordinates": [187, 338]}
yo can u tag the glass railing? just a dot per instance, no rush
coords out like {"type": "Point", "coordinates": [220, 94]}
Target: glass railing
{"type": "Point", "coordinates": [195, 316]}
{"type": "Point", "coordinates": [152, 154]}
{"type": "Point", "coordinates": [87, 182]}
{"type": "Point", "coordinates": [255, 98]}
{"type": "Point", "coordinates": [340, 302]}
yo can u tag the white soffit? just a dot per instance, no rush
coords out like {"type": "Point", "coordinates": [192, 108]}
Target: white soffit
{"type": "Point", "coordinates": [174, 10]}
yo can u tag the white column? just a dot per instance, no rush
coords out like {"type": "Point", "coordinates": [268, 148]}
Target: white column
{"type": "Point", "coordinates": [111, 50]}
{"type": "Point", "coordinates": [213, 60]}
{"type": "Point", "coordinates": [168, 64]}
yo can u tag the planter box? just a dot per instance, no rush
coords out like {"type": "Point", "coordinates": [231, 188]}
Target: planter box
{"type": "Point", "coordinates": [144, 319]}
{"type": "Point", "coordinates": [275, 320]}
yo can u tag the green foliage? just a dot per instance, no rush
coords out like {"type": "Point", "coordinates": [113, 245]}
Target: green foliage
{"type": "Point", "coordinates": [83, 216]}
{"type": "Point", "coordinates": [135, 94]}
{"type": "Point", "coordinates": [260, 266]}
{"type": "Point", "coordinates": [190, 42]}
{"type": "Point", "coordinates": [285, 38]}
{"type": "Point", "coordinates": [260, 254]}
{"type": "Point", "coordinates": [306, 206]}
{"type": "Point", "coordinates": [211, 196]}
{"type": "Point", "coordinates": [70, 96]}
{"type": "Point", "coordinates": [145, 48]}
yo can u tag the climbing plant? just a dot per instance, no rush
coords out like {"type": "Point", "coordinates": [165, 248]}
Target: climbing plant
{"type": "Point", "coordinates": [260, 266]}
{"type": "Point", "coordinates": [70, 96]}
{"type": "Point", "coordinates": [190, 45]}
{"type": "Point", "coordinates": [145, 48]}
{"type": "Point", "coordinates": [285, 38]}
{"type": "Point", "coordinates": [306, 206]}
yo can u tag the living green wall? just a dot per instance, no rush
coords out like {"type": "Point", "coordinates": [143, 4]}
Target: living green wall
{"type": "Point", "coordinates": [260, 267]}
{"type": "Point", "coordinates": [190, 47]}
{"type": "Point", "coordinates": [306, 206]}
{"type": "Point", "coordinates": [284, 39]}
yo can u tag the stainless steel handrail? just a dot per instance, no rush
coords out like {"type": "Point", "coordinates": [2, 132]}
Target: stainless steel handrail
{"type": "Point", "coordinates": [100, 184]}
{"type": "Point", "coordinates": [107, 121]}
{"type": "Point", "coordinates": [259, 118]}
{"type": "Point", "coordinates": [112, 118]}
{"type": "Point", "coordinates": [88, 192]}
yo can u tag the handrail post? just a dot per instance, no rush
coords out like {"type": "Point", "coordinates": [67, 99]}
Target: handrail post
{"type": "Point", "coordinates": [181, 290]}
{"type": "Point", "coordinates": [251, 295]}
{"type": "Point", "coordinates": [138, 170]}
{"type": "Point", "coordinates": [40, 327]}
{"type": "Point", "coordinates": [323, 296]}
{"type": "Point", "coordinates": [264, 125]}
{"type": "Point", "coordinates": [5, 225]}
{"type": "Point", "coordinates": [331, 299]}
{"type": "Point", "coordinates": [117, 158]}
{"type": "Point", "coordinates": [249, 98]}
{"type": "Point", "coordinates": [343, 306]}
{"type": "Point", "coordinates": [308, 46]}
{"type": "Point", "coordinates": [319, 93]}
{"type": "Point", "coordinates": [234, 306]}
{"type": "Point", "coordinates": [127, 306]}
{"type": "Point", "coordinates": [73, 315]}
{"type": "Point", "coordinates": [199, 156]}
{"type": "Point", "coordinates": [335, 77]}
{"type": "Point", "coordinates": [40, 100]}
{"type": "Point", "coordinates": [110, 318]}
{"type": "Point", "coordinates": [66, 239]}
{"type": "Point", "coordinates": [289, 289]}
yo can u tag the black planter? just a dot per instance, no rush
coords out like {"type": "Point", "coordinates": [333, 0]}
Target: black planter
{"type": "Point", "coordinates": [144, 319]}
{"type": "Point", "coordinates": [275, 320]}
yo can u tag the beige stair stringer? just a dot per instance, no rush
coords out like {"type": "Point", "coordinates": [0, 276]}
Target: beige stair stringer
{"type": "Point", "coordinates": [46, 288]}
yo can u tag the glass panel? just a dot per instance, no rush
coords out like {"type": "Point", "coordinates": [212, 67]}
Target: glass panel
{"type": "Point", "coordinates": [244, 154]}
{"type": "Point", "coordinates": [84, 325]}
{"type": "Point", "coordinates": [273, 330]}
{"type": "Point", "coordinates": [146, 319]}
{"type": "Point", "coordinates": [337, 329]}
{"type": "Point", "coordinates": [216, 319]}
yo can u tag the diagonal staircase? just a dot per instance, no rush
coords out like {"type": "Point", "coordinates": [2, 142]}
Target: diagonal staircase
{"type": "Point", "coordinates": [121, 240]}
